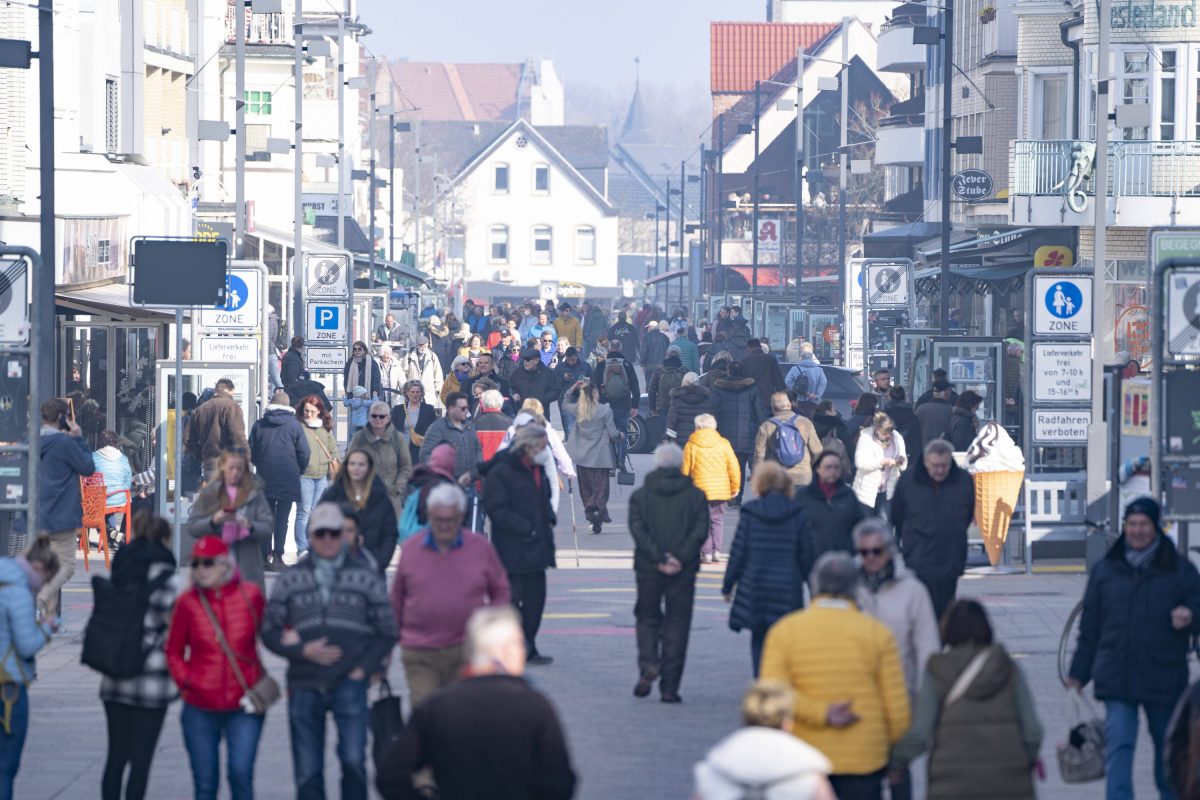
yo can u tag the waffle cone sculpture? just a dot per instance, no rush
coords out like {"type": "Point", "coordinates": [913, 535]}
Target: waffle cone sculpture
{"type": "Point", "coordinates": [996, 496]}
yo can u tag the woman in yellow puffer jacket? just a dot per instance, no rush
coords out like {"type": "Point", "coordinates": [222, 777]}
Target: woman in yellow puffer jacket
{"type": "Point", "coordinates": [709, 461]}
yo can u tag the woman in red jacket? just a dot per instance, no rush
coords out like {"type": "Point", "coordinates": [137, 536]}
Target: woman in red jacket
{"type": "Point", "coordinates": [211, 690]}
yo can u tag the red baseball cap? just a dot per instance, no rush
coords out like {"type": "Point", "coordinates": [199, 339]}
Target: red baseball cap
{"type": "Point", "coordinates": [210, 547]}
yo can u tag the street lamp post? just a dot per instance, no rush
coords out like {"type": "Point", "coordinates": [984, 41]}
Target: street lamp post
{"type": "Point", "coordinates": [754, 224]}
{"type": "Point", "coordinates": [947, 168]}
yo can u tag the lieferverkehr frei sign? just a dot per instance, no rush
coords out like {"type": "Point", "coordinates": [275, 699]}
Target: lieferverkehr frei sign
{"type": "Point", "coordinates": [1152, 14]}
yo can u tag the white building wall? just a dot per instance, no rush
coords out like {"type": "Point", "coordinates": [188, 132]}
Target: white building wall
{"type": "Point", "coordinates": [564, 208]}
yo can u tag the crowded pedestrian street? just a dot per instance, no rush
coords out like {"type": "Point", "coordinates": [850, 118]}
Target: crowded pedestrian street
{"type": "Point", "coordinates": [620, 746]}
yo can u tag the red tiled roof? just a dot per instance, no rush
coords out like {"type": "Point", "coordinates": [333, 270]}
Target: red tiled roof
{"type": "Point", "coordinates": [459, 92]}
{"type": "Point", "coordinates": [743, 52]}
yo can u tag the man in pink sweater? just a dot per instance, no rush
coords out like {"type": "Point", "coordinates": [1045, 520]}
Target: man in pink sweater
{"type": "Point", "coordinates": [445, 574]}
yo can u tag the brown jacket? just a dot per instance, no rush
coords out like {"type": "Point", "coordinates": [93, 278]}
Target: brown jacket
{"type": "Point", "coordinates": [802, 473]}
{"type": "Point", "coordinates": [215, 425]}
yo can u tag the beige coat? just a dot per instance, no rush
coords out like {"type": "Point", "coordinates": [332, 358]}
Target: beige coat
{"type": "Point", "coordinates": [802, 473]}
{"type": "Point", "coordinates": [903, 605]}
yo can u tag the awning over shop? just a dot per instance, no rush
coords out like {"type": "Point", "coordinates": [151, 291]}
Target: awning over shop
{"type": "Point", "coordinates": [408, 273]}
{"type": "Point", "coordinates": [900, 241]}
{"type": "Point", "coordinates": [666, 276]}
{"type": "Point", "coordinates": [996, 263]}
{"type": "Point", "coordinates": [110, 300]}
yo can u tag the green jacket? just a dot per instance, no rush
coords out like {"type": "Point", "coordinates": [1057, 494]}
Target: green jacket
{"type": "Point", "coordinates": [667, 514]}
{"type": "Point", "coordinates": [318, 460]}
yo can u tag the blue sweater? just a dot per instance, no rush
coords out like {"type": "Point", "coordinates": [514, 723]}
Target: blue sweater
{"type": "Point", "coordinates": [64, 459]}
{"type": "Point", "coordinates": [19, 629]}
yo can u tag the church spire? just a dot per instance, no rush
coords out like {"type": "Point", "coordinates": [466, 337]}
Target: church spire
{"type": "Point", "coordinates": [636, 130]}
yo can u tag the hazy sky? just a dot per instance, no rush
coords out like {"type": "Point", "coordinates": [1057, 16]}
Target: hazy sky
{"type": "Point", "coordinates": [590, 41]}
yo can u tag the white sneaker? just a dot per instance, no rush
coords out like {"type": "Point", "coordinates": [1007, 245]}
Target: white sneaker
{"type": "Point", "coordinates": [716, 556]}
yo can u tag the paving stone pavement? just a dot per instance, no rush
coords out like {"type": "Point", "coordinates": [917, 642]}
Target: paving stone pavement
{"type": "Point", "coordinates": [622, 747]}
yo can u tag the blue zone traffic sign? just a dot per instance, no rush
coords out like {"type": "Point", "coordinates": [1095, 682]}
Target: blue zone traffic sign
{"type": "Point", "coordinates": [1062, 305]}
{"type": "Point", "coordinates": [326, 323]}
{"type": "Point", "coordinates": [236, 292]}
{"type": "Point", "coordinates": [1063, 299]}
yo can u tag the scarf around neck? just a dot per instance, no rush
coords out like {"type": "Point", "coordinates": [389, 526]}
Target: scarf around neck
{"type": "Point", "coordinates": [325, 571]}
{"type": "Point", "coordinates": [1140, 558]}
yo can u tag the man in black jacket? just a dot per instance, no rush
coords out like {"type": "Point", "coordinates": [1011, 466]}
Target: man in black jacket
{"type": "Point", "coordinates": [931, 509]}
{"type": "Point", "coordinates": [291, 370]}
{"type": "Point", "coordinates": [765, 370]}
{"type": "Point", "coordinates": [489, 734]}
{"type": "Point", "coordinates": [516, 497]}
{"type": "Point", "coordinates": [907, 424]}
{"type": "Point", "coordinates": [623, 407]}
{"type": "Point", "coordinates": [279, 451]}
{"type": "Point", "coordinates": [668, 519]}
{"type": "Point", "coordinates": [534, 379]}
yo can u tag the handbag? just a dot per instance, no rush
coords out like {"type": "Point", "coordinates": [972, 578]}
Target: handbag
{"type": "Point", "coordinates": [263, 694]}
{"type": "Point", "coordinates": [625, 476]}
{"type": "Point", "coordinates": [386, 722]}
{"type": "Point", "coordinates": [335, 463]}
{"type": "Point", "coordinates": [1081, 757]}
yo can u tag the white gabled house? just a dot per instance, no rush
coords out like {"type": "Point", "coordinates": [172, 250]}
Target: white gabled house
{"type": "Point", "coordinates": [532, 206]}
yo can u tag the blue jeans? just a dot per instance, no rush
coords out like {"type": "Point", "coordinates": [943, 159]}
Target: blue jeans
{"type": "Point", "coordinates": [311, 490]}
{"type": "Point", "coordinates": [307, 709]}
{"type": "Point", "coordinates": [202, 732]}
{"type": "Point", "coordinates": [280, 511]}
{"type": "Point", "coordinates": [568, 421]}
{"type": "Point", "coordinates": [621, 421]}
{"type": "Point", "coordinates": [1120, 737]}
{"type": "Point", "coordinates": [11, 744]}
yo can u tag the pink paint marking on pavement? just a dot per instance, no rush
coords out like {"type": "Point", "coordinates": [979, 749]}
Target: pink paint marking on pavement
{"type": "Point", "coordinates": [606, 630]}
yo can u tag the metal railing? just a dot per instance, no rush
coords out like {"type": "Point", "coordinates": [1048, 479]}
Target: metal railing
{"type": "Point", "coordinates": [1136, 169]}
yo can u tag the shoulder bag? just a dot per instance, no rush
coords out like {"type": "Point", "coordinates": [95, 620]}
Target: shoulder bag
{"type": "Point", "coordinates": [335, 463]}
{"type": "Point", "coordinates": [262, 695]}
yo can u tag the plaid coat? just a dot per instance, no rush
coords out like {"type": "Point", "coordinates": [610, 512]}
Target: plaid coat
{"type": "Point", "coordinates": [153, 688]}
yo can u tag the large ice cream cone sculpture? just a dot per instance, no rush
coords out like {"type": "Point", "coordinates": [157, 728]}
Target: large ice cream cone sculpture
{"type": "Point", "coordinates": [996, 496]}
{"type": "Point", "coordinates": [998, 466]}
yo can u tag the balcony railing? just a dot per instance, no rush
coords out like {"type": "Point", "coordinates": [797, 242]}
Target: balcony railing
{"type": "Point", "coordinates": [1135, 169]}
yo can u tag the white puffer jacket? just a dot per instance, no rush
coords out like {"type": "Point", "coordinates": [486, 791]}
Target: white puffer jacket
{"type": "Point", "coordinates": [775, 762]}
{"type": "Point", "coordinates": [868, 460]}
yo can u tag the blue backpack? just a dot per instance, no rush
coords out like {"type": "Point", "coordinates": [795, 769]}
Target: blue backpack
{"type": "Point", "coordinates": [789, 444]}
{"type": "Point", "coordinates": [409, 525]}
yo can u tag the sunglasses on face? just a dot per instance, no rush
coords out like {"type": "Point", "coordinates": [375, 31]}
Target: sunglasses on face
{"type": "Point", "coordinates": [358, 350]}
{"type": "Point", "coordinates": [379, 416]}
{"type": "Point", "coordinates": [203, 562]}
{"type": "Point", "coordinates": [325, 533]}
{"type": "Point", "coordinates": [871, 551]}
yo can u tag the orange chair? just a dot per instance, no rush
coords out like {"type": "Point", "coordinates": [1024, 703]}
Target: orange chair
{"type": "Point", "coordinates": [95, 504]}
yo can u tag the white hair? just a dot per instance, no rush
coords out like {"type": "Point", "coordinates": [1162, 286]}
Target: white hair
{"type": "Point", "coordinates": [489, 630]}
{"type": "Point", "coordinates": [668, 456]}
{"type": "Point", "coordinates": [447, 495]}
{"type": "Point", "coordinates": [872, 526]}
{"type": "Point", "coordinates": [491, 399]}
{"type": "Point", "coordinates": [379, 405]}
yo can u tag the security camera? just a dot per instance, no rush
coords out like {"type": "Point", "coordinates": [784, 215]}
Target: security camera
{"type": "Point", "coordinates": [196, 173]}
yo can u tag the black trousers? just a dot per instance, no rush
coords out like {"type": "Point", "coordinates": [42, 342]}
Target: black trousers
{"type": "Point", "coordinates": [529, 598]}
{"type": "Point", "coordinates": [132, 737]}
{"type": "Point", "coordinates": [743, 459]}
{"type": "Point", "coordinates": [664, 620]}
{"type": "Point", "coordinates": [857, 787]}
{"type": "Point", "coordinates": [941, 593]}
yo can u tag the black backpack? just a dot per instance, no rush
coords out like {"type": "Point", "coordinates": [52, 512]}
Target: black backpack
{"type": "Point", "coordinates": [800, 385]}
{"type": "Point", "coordinates": [112, 640]}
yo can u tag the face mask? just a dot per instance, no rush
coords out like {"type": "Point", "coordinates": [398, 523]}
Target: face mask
{"type": "Point", "coordinates": [313, 423]}
{"type": "Point", "coordinates": [543, 457]}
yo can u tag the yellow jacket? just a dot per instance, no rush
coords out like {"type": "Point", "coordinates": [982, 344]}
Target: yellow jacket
{"type": "Point", "coordinates": [833, 653]}
{"type": "Point", "coordinates": [570, 328]}
{"type": "Point", "coordinates": [450, 384]}
{"type": "Point", "coordinates": [709, 461]}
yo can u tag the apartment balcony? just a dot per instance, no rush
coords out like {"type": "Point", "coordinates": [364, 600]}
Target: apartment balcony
{"type": "Point", "coordinates": [1150, 184]}
{"type": "Point", "coordinates": [896, 51]}
{"type": "Point", "coordinates": [900, 140]}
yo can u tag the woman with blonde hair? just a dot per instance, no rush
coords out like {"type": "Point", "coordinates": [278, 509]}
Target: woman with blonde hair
{"type": "Point", "coordinates": [764, 759]}
{"type": "Point", "coordinates": [556, 461]}
{"type": "Point", "coordinates": [709, 460]}
{"type": "Point", "coordinates": [772, 554]}
{"type": "Point", "coordinates": [358, 484]}
{"type": "Point", "coordinates": [233, 507]}
{"type": "Point", "coordinates": [592, 448]}
{"type": "Point", "coordinates": [879, 458]}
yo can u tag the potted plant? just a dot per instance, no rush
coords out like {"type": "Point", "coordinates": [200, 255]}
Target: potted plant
{"type": "Point", "coordinates": [987, 14]}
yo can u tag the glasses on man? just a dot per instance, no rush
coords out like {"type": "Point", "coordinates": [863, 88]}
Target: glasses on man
{"type": "Point", "coordinates": [379, 416]}
{"type": "Point", "coordinates": [871, 551]}
{"type": "Point", "coordinates": [462, 407]}
{"type": "Point", "coordinates": [203, 563]}
{"type": "Point", "coordinates": [325, 533]}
